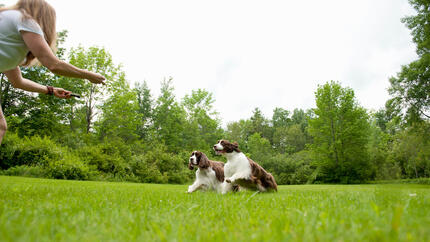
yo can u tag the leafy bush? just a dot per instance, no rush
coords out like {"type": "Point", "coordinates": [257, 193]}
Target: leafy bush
{"type": "Point", "coordinates": [28, 151]}
{"type": "Point", "coordinates": [41, 157]}
{"type": "Point", "coordinates": [170, 166]}
{"type": "Point", "coordinates": [290, 169]}
{"type": "Point", "coordinates": [70, 168]}
{"type": "Point", "coordinates": [28, 171]}
{"type": "Point", "coordinates": [147, 172]}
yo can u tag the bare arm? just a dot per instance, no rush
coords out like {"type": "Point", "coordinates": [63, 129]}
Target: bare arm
{"type": "Point", "coordinates": [15, 77]}
{"type": "Point", "coordinates": [40, 49]}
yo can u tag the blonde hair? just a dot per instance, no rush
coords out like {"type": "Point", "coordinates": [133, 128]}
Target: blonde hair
{"type": "Point", "coordinates": [44, 15]}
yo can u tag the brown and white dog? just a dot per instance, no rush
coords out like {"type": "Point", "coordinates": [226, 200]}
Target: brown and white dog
{"type": "Point", "coordinates": [209, 175]}
{"type": "Point", "coordinates": [240, 170]}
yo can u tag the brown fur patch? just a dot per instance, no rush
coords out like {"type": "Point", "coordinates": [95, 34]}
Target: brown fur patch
{"type": "Point", "coordinates": [229, 147]}
{"type": "Point", "coordinates": [262, 177]}
{"type": "Point", "coordinates": [218, 167]}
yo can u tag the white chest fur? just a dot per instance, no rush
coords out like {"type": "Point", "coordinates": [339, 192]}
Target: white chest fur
{"type": "Point", "coordinates": [205, 180]}
{"type": "Point", "coordinates": [237, 166]}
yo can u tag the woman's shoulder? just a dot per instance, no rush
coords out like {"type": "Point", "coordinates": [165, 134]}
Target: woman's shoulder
{"type": "Point", "coordinates": [16, 19]}
{"type": "Point", "coordinates": [11, 15]}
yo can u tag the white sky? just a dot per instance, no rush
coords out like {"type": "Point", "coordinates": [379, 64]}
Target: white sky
{"type": "Point", "coordinates": [248, 53]}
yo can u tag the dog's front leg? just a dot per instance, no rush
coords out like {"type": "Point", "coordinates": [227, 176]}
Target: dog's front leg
{"type": "Point", "coordinates": [236, 176]}
{"type": "Point", "coordinates": [226, 187]}
{"type": "Point", "coordinates": [196, 185]}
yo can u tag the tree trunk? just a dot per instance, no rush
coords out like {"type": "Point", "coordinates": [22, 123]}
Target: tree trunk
{"type": "Point", "coordinates": [89, 109]}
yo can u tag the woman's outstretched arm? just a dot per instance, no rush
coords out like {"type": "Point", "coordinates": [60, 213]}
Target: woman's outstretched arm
{"type": "Point", "coordinates": [15, 78]}
{"type": "Point", "coordinates": [40, 49]}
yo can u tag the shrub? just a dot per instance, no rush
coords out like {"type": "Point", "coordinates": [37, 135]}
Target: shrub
{"type": "Point", "coordinates": [28, 151]}
{"type": "Point", "coordinates": [28, 171]}
{"type": "Point", "coordinates": [171, 166]}
{"type": "Point", "coordinates": [110, 157]}
{"type": "Point", "coordinates": [70, 168]}
{"type": "Point", "coordinates": [147, 172]}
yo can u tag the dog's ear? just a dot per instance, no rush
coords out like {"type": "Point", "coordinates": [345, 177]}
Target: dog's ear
{"type": "Point", "coordinates": [203, 161]}
{"type": "Point", "coordinates": [236, 146]}
{"type": "Point", "coordinates": [271, 181]}
{"type": "Point", "coordinates": [190, 166]}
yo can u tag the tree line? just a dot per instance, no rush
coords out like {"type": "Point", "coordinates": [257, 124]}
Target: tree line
{"type": "Point", "coordinates": [122, 132]}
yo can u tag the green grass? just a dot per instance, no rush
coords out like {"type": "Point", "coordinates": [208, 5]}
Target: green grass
{"type": "Point", "coordinates": [56, 210]}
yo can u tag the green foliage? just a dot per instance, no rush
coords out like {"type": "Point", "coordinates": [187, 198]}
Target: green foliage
{"type": "Point", "coordinates": [203, 124]}
{"type": "Point", "coordinates": [27, 171]}
{"type": "Point", "coordinates": [41, 157]}
{"type": "Point", "coordinates": [70, 168]}
{"type": "Point", "coordinates": [28, 151]}
{"type": "Point", "coordinates": [380, 145]}
{"type": "Point", "coordinates": [120, 116]}
{"type": "Point", "coordinates": [173, 168]}
{"type": "Point", "coordinates": [169, 118]}
{"type": "Point", "coordinates": [419, 25]}
{"type": "Point", "coordinates": [411, 88]}
{"type": "Point", "coordinates": [145, 109]}
{"type": "Point", "coordinates": [411, 150]}
{"type": "Point", "coordinates": [259, 148]}
{"type": "Point", "coordinates": [239, 131]}
{"type": "Point", "coordinates": [82, 112]}
{"type": "Point", "coordinates": [340, 132]}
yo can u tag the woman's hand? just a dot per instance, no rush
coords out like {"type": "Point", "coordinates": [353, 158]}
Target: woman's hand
{"type": "Point", "coordinates": [61, 93]}
{"type": "Point", "coordinates": [96, 78]}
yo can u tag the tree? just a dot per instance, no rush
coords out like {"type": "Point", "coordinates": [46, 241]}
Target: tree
{"type": "Point", "coordinates": [202, 120]}
{"type": "Point", "coordinates": [419, 24]}
{"type": "Point", "coordinates": [281, 118]}
{"type": "Point", "coordinates": [239, 131]}
{"type": "Point", "coordinates": [259, 148]}
{"type": "Point", "coordinates": [169, 118]}
{"type": "Point", "coordinates": [411, 151]}
{"type": "Point", "coordinates": [411, 87]}
{"type": "Point", "coordinates": [259, 124]}
{"type": "Point", "coordinates": [96, 60]}
{"type": "Point", "coordinates": [145, 103]}
{"type": "Point", "coordinates": [120, 114]}
{"type": "Point", "coordinates": [340, 130]}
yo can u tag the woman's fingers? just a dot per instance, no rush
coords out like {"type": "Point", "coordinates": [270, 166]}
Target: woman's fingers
{"type": "Point", "coordinates": [97, 79]}
{"type": "Point", "coordinates": [61, 93]}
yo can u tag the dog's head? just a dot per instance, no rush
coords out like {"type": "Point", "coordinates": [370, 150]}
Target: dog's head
{"type": "Point", "coordinates": [224, 146]}
{"type": "Point", "coordinates": [199, 159]}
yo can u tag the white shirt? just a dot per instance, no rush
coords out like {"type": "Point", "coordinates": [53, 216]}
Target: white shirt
{"type": "Point", "coordinates": [12, 47]}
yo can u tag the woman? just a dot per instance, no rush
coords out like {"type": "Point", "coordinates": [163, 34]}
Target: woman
{"type": "Point", "coordinates": [27, 32]}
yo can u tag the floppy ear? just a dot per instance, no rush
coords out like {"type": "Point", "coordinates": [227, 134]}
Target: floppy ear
{"type": "Point", "coordinates": [236, 147]}
{"type": "Point", "coordinates": [190, 166]}
{"type": "Point", "coordinates": [204, 161]}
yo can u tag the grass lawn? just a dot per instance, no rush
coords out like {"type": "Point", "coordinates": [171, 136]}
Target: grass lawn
{"type": "Point", "coordinates": [57, 210]}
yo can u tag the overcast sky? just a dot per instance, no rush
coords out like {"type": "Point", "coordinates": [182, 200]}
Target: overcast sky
{"type": "Point", "coordinates": [248, 53]}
